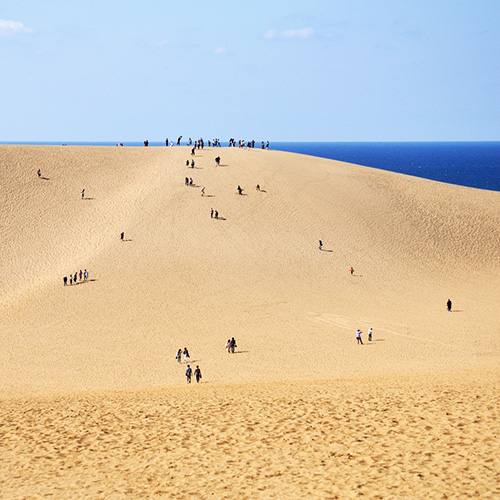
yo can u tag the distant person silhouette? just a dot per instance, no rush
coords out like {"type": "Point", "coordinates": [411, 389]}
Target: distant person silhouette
{"type": "Point", "coordinates": [320, 246]}
{"type": "Point", "coordinates": [122, 235]}
{"type": "Point", "coordinates": [358, 337]}
{"type": "Point", "coordinates": [197, 374]}
{"type": "Point", "coordinates": [39, 173]}
{"type": "Point", "coordinates": [448, 305]}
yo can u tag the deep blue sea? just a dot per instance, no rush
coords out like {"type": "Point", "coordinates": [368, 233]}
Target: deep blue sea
{"type": "Point", "coordinates": [472, 164]}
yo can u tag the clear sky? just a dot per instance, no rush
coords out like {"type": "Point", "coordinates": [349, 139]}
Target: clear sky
{"type": "Point", "coordinates": [302, 70]}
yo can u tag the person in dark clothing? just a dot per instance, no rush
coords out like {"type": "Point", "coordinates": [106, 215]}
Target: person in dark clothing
{"type": "Point", "coordinates": [122, 235]}
{"type": "Point", "coordinates": [197, 374]}
{"type": "Point", "coordinates": [448, 305]}
{"type": "Point", "coordinates": [65, 279]}
{"type": "Point", "coordinates": [233, 345]}
{"type": "Point", "coordinates": [188, 374]}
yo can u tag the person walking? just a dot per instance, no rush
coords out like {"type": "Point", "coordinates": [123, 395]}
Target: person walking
{"type": "Point", "coordinates": [83, 194]}
{"type": "Point", "coordinates": [448, 305]}
{"type": "Point", "coordinates": [188, 374]}
{"type": "Point", "coordinates": [39, 173]}
{"type": "Point", "coordinates": [186, 354]}
{"type": "Point", "coordinates": [216, 214]}
{"type": "Point", "coordinates": [351, 271]}
{"type": "Point", "coordinates": [85, 275]}
{"type": "Point", "coordinates": [320, 246]}
{"type": "Point", "coordinates": [228, 345]}
{"type": "Point", "coordinates": [358, 336]}
{"type": "Point", "coordinates": [178, 355]}
{"type": "Point", "coordinates": [233, 345]}
{"type": "Point", "coordinates": [211, 213]}
{"type": "Point", "coordinates": [122, 235]}
{"type": "Point", "coordinates": [370, 331]}
{"type": "Point", "coordinates": [65, 280]}
{"type": "Point", "coordinates": [197, 374]}
{"type": "Point", "coordinates": [81, 274]}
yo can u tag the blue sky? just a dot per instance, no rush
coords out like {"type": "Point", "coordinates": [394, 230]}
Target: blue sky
{"type": "Point", "coordinates": [315, 70]}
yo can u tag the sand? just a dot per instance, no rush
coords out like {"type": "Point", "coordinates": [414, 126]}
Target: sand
{"type": "Point", "coordinates": [94, 403]}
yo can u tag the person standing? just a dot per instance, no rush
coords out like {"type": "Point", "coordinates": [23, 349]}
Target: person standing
{"type": "Point", "coordinates": [122, 235]}
{"type": "Point", "coordinates": [83, 194]}
{"type": "Point", "coordinates": [81, 274]}
{"type": "Point", "coordinates": [65, 280]}
{"type": "Point", "coordinates": [320, 246]}
{"type": "Point", "coordinates": [233, 345]}
{"type": "Point", "coordinates": [188, 374]}
{"type": "Point", "coordinates": [197, 374]}
{"type": "Point", "coordinates": [216, 214]}
{"type": "Point", "coordinates": [358, 336]}
{"type": "Point", "coordinates": [370, 331]}
{"type": "Point", "coordinates": [39, 173]}
{"type": "Point", "coordinates": [186, 354]}
{"type": "Point", "coordinates": [351, 271]}
{"type": "Point", "coordinates": [228, 345]}
{"type": "Point", "coordinates": [448, 305]}
{"type": "Point", "coordinates": [86, 275]}
{"type": "Point", "coordinates": [178, 355]}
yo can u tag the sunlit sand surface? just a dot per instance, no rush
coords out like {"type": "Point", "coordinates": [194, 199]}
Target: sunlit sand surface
{"type": "Point", "coordinates": [94, 403]}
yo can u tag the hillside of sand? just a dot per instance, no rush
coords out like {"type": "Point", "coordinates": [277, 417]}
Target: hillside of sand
{"type": "Point", "coordinates": [182, 279]}
{"type": "Point", "coordinates": [300, 409]}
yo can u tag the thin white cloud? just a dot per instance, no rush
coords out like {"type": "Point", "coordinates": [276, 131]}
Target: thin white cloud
{"type": "Point", "coordinates": [301, 33]}
{"type": "Point", "coordinates": [220, 51]}
{"type": "Point", "coordinates": [13, 28]}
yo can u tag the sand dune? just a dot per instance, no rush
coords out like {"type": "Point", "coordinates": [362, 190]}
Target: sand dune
{"type": "Point", "coordinates": [184, 279]}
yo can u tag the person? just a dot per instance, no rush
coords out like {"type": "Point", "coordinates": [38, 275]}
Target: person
{"type": "Point", "coordinates": [192, 163]}
{"type": "Point", "coordinates": [202, 191]}
{"type": "Point", "coordinates": [239, 189]}
{"type": "Point", "coordinates": [228, 345]}
{"type": "Point", "coordinates": [448, 305]}
{"type": "Point", "coordinates": [320, 245]}
{"type": "Point", "coordinates": [187, 163]}
{"type": "Point", "coordinates": [186, 354]}
{"type": "Point", "coordinates": [370, 331]}
{"type": "Point", "coordinates": [190, 181]}
{"type": "Point", "coordinates": [70, 279]}
{"type": "Point", "coordinates": [83, 193]}
{"type": "Point", "coordinates": [178, 355]}
{"type": "Point", "coordinates": [233, 344]}
{"type": "Point", "coordinates": [257, 187]}
{"type": "Point", "coordinates": [358, 336]}
{"type": "Point", "coordinates": [122, 235]}
{"type": "Point", "coordinates": [188, 374]}
{"type": "Point", "coordinates": [352, 271]}
{"type": "Point", "coordinates": [166, 141]}
{"type": "Point", "coordinates": [39, 173]}
{"type": "Point", "coordinates": [211, 213]}
{"type": "Point", "coordinates": [217, 161]}
{"type": "Point", "coordinates": [86, 275]}
{"type": "Point", "coordinates": [81, 274]}
{"type": "Point", "coordinates": [75, 279]}
{"type": "Point", "coordinates": [197, 374]}
{"type": "Point", "coordinates": [216, 214]}
{"type": "Point", "coordinates": [65, 279]}
{"type": "Point", "coordinates": [186, 181]}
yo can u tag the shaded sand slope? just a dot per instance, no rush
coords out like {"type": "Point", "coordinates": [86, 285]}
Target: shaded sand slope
{"type": "Point", "coordinates": [185, 279]}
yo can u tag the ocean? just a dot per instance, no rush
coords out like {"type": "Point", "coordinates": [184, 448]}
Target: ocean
{"type": "Point", "coordinates": [471, 164]}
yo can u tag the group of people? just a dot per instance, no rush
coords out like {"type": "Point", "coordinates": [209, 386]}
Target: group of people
{"type": "Point", "coordinates": [73, 278]}
{"type": "Point", "coordinates": [214, 214]}
{"type": "Point", "coordinates": [358, 335]}
{"type": "Point", "coordinates": [181, 352]}
{"type": "Point", "coordinates": [230, 345]}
